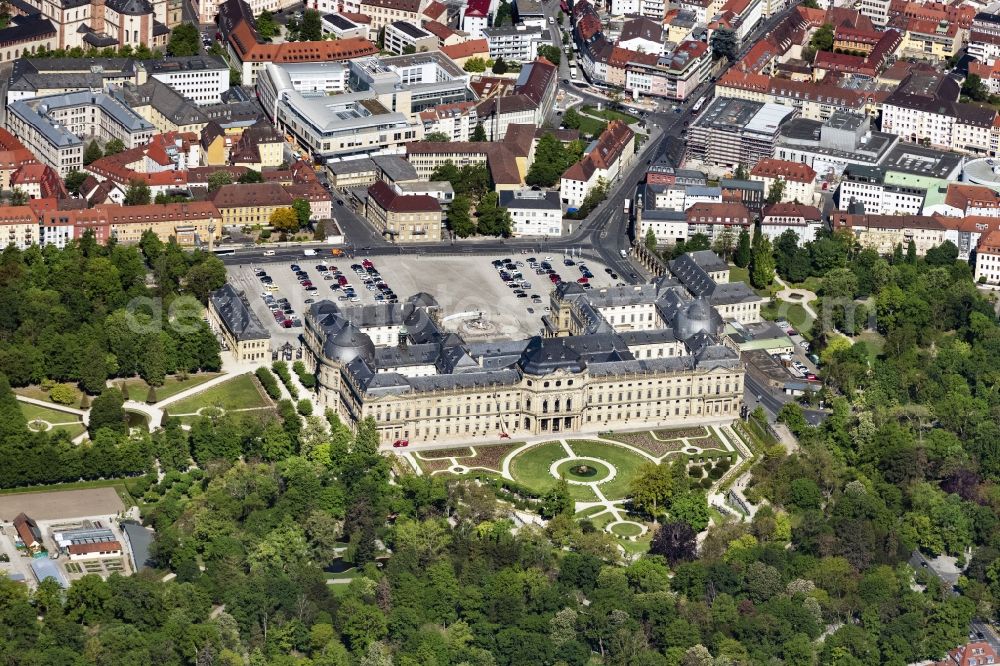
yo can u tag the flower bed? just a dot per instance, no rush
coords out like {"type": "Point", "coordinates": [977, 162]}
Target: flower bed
{"type": "Point", "coordinates": [646, 442]}
{"type": "Point", "coordinates": [695, 431]}
{"type": "Point", "coordinates": [491, 457]}
{"type": "Point", "coordinates": [463, 452]}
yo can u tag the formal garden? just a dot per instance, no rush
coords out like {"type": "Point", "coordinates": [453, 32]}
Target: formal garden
{"type": "Point", "coordinates": [598, 471]}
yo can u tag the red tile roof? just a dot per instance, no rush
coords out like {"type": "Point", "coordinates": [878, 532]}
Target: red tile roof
{"type": "Point", "coordinates": [439, 30]}
{"type": "Point", "coordinates": [806, 212]}
{"type": "Point", "coordinates": [610, 145]}
{"type": "Point", "coordinates": [774, 168]}
{"type": "Point", "coordinates": [98, 547]}
{"type": "Point", "coordinates": [468, 49]}
{"type": "Point", "coordinates": [964, 197]}
{"type": "Point", "coordinates": [389, 200]}
{"type": "Point", "coordinates": [718, 213]}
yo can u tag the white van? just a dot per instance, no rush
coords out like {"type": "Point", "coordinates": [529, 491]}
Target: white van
{"type": "Point", "coordinates": [309, 253]}
{"type": "Point", "coordinates": [268, 253]}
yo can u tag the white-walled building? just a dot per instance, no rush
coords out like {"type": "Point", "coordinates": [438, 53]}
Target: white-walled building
{"type": "Point", "coordinates": [799, 179]}
{"type": "Point", "coordinates": [604, 161]}
{"type": "Point", "coordinates": [988, 259]}
{"type": "Point", "coordinates": [804, 220]}
{"type": "Point", "coordinates": [403, 37]}
{"type": "Point", "coordinates": [867, 186]}
{"type": "Point", "coordinates": [517, 43]}
{"type": "Point", "coordinates": [533, 212]}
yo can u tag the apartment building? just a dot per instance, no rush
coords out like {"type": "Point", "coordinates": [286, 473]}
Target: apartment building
{"type": "Point", "coordinates": [402, 37]}
{"type": "Point", "coordinates": [884, 232]}
{"type": "Point", "coordinates": [201, 79]}
{"type": "Point", "coordinates": [603, 162]}
{"type": "Point", "coordinates": [711, 219]}
{"type": "Point", "coordinates": [458, 121]}
{"type": "Point", "coordinates": [518, 43]}
{"type": "Point", "coordinates": [533, 212]}
{"type": "Point", "coordinates": [249, 205]}
{"type": "Point", "coordinates": [987, 269]}
{"type": "Point", "coordinates": [830, 147]}
{"type": "Point", "coordinates": [804, 220]}
{"type": "Point", "coordinates": [51, 126]}
{"type": "Point", "coordinates": [867, 186]}
{"type": "Point", "coordinates": [798, 179]}
{"type": "Point", "coordinates": [924, 110]}
{"type": "Point", "coordinates": [675, 76]}
{"type": "Point", "coordinates": [404, 218]}
{"type": "Point", "coordinates": [384, 12]}
{"type": "Point", "coordinates": [18, 227]}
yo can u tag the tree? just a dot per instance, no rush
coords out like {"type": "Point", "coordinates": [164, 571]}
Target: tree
{"type": "Point", "coordinates": [674, 541]}
{"type": "Point", "coordinates": [723, 244]}
{"type": "Point", "coordinates": [185, 40]}
{"type": "Point", "coordinates": [651, 488]}
{"type": "Point", "coordinates": [250, 176]}
{"type": "Point", "coordinates": [459, 219]}
{"type": "Point", "coordinates": [437, 137]}
{"type": "Point", "coordinates": [500, 67]}
{"type": "Point", "coordinates": [266, 27]}
{"type": "Point", "coordinates": [205, 277]}
{"type": "Point", "coordinates": [724, 44]}
{"type": "Point", "coordinates": [822, 39]}
{"type": "Point", "coordinates": [762, 263]}
{"type": "Point", "coordinates": [217, 179]}
{"type": "Point", "coordinates": [303, 211]}
{"type": "Point", "coordinates": [974, 89]}
{"type": "Point", "coordinates": [650, 240]}
{"type": "Point", "coordinates": [777, 191]}
{"type": "Point", "coordinates": [93, 369]}
{"type": "Point", "coordinates": [741, 172]}
{"type": "Point", "coordinates": [551, 53]}
{"type": "Point", "coordinates": [742, 256]}
{"type": "Point", "coordinates": [690, 508]}
{"type": "Point", "coordinates": [557, 501]}
{"type": "Point", "coordinates": [235, 77]}
{"type": "Point", "coordinates": [106, 412]}
{"type": "Point", "coordinates": [114, 146]}
{"type": "Point", "coordinates": [285, 219]}
{"type": "Point", "coordinates": [137, 193]}
{"type": "Point", "coordinates": [92, 153]}
{"type": "Point", "coordinates": [475, 64]}
{"type": "Point", "coordinates": [911, 252]}
{"type": "Point", "coordinates": [74, 180]}
{"type": "Point", "coordinates": [572, 119]}
{"type": "Point", "coordinates": [18, 197]}
{"type": "Point", "coordinates": [479, 134]}
{"type": "Point", "coordinates": [945, 254]}
{"type": "Point", "coordinates": [551, 161]}
{"type": "Point", "coordinates": [493, 220]}
{"type": "Point", "coordinates": [311, 29]}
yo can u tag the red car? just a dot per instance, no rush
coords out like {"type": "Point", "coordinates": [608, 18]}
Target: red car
{"type": "Point", "coordinates": [368, 264]}
{"type": "Point", "coordinates": [583, 280]}
{"type": "Point", "coordinates": [400, 443]}
{"type": "Point", "coordinates": [342, 280]}
{"type": "Point", "coordinates": [554, 278]}
{"type": "Point", "coordinates": [287, 323]}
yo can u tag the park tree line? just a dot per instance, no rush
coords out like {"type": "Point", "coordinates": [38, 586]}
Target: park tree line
{"type": "Point", "coordinates": [475, 210]}
{"type": "Point", "coordinates": [87, 313]}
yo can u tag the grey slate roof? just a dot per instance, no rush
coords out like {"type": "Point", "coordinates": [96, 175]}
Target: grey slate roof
{"type": "Point", "coordinates": [236, 315]}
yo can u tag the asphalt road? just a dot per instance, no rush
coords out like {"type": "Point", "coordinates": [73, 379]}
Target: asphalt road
{"type": "Point", "coordinates": [772, 401]}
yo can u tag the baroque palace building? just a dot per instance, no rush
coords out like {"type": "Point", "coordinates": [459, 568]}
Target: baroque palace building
{"type": "Point", "coordinates": [649, 355]}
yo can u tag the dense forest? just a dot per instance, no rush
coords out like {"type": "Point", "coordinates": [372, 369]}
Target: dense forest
{"type": "Point", "coordinates": [251, 510]}
{"type": "Point", "coordinates": [84, 314]}
{"type": "Point", "coordinates": [88, 312]}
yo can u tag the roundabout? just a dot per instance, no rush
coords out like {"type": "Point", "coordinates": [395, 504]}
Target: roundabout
{"type": "Point", "coordinates": [583, 471]}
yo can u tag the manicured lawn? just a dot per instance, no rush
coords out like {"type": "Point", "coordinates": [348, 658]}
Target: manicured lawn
{"type": "Point", "coordinates": [590, 126]}
{"type": "Point", "coordinates": [531, 467]}
{"type": "Point", "coordinates": [737, 274]}
{"type": "Point", "coordinates": [626, 530]}
{"type": "Point", "coordinates": [237, 393]}
{"type": "Point", "coordinates": [138, 389]}
{"type": "Point", "coordinates": [794, 313]}
{"type": "Point", "coordinates": [626, 463]}
{"type": "Point", "coordinates": [609, 115]}
{"type": "Point", "coordinates": [37, 393]}
{"type": "Point", "coordinates": [73, 425]}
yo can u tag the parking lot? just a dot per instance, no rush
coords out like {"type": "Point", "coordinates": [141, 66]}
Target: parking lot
{"type": "Point", "coordinates": [466, 287]}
